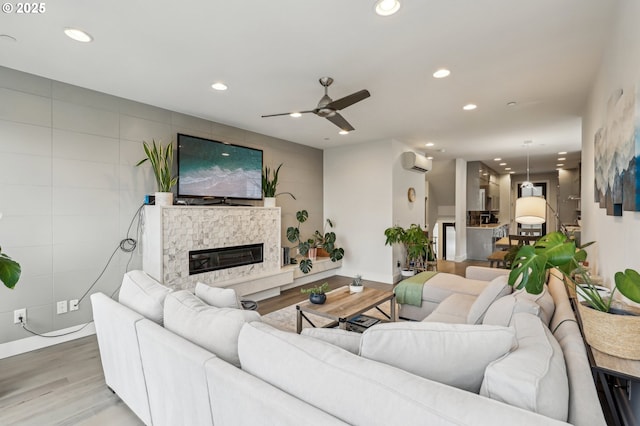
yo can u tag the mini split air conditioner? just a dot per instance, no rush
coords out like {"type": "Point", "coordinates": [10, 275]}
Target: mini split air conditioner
{"type": "Point", "coordinates": [415, 162]}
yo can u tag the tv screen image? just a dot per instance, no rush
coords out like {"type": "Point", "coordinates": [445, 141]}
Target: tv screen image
{"type": "Point", "coordinates": [208, 168]}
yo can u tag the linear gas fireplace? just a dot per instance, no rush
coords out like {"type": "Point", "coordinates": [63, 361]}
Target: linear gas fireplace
{"type": "Point", "coordinates": [201, 261]}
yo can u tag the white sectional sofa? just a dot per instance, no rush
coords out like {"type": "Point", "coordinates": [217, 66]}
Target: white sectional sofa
{"type": "Point", "coordinates": [223, 366]}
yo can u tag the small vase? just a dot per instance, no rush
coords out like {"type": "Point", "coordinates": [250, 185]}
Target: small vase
{"type": "Point", "coordinates": [317, 298]}
{"type": "Point", "coordinates": [313, 253]}
{"type": "Point", "coordinates": [356, 288]}
{"type": "Point", "coordinates": [164, 198]}
{"type": "Point", "coordinates": [269, 201]}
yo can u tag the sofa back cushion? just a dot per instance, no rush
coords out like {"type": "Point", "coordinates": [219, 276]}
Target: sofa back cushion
{"type": "Point", "coordinates": [215, 329]}
{"type": "Point", "coordinates": [218, 297]}
{"type": "Point", "coordinates": [534, 376]}
{"type": "Point", "coordinates": [543, 300]}
{"type": "Point", "coordinates": [501, 311]}
{"type": "Point", "coordinates": [497, 288]}
{"type": "Point", "coordinates": [144, 295]}
{"type": "Point", "coordinates": [453, 354]}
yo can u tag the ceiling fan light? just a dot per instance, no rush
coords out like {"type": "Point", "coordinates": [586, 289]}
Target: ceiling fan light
{"type": "Point", "coordinates": [387, 7]}
{"type": "Point", "coordinates": [78, 35]}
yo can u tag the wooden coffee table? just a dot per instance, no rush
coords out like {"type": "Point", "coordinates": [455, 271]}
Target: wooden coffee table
{"type": "Point", "coordinates": [342, 305]}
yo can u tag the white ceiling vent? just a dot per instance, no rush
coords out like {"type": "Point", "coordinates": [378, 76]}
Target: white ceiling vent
{"type": "Point", "coordinates": [415, 162]}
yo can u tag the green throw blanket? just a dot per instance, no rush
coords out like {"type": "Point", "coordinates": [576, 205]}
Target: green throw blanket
{"type": "Point", "coordinates": [409, 291]}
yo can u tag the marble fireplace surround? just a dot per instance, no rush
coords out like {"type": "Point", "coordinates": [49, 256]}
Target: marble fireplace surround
{"type": "Point", "coordinates": [171, 232]}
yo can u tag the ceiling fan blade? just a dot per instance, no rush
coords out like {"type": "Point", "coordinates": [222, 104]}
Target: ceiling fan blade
{"type": "Point", "coordinates": [286, 113]}
{"type": "Point", "coordinates": [339, 121]}
{"type": "Point", "coordinates": [349, 100]}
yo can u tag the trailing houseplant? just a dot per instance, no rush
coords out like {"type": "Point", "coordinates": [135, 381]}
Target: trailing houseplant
{"type": "Point", "coordinates": [328, 243]}
{"type": "Point", "coordinates": [415, 242]}
{"type": "Point", "coordinates": [161, 160]}
{"type": "Point", "coordinates": [270, 183]}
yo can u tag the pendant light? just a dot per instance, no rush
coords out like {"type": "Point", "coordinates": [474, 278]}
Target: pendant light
{"type": "Point", "coordinates": [530, 210]}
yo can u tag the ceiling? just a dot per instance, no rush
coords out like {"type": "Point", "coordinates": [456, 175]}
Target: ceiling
{"type": "Point", "coordinates": [541, 54]}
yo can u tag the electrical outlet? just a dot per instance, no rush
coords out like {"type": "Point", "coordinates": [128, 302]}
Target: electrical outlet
{"type": "Point", "coordinates": [62, 307]}
{"type": "Point", "coordinates": [73, 305]}
{"type": "Point", "coordinates": [20, 313]}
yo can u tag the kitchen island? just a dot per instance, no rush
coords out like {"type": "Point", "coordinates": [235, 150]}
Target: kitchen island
{"type": "Point", "coordinates": [481, 239]}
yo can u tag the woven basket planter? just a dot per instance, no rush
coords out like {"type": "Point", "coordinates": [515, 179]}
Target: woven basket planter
{"type": "Point", "coordinates": [613, 334]}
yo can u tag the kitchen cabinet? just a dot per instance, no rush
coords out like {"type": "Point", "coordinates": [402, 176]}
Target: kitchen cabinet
{"type": "Point", "coordinates": [483, 188]}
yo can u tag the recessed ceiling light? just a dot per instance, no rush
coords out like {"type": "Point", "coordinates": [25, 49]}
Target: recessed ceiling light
{"type": "Point", "coordinates": [343, 132]}
{"type": "Point", "coordinates": [497, 159]}
{"type": "Point", "coordinates": [442, 73]}
{"type": "Point", "coordinates": [219, 86]}
{"type": "Point", "coordinates": [429, 144]}
{"type": "Point", "coordinates": [511, 104]}
{"type": "Point", "coordinates": [387, 7]}
{"type": "Point", "coordinates": [562, 153]}
{"type": "Point", "coordinates": [78, 35]}
{"type": "Point", "coordinates": [507, 168]}
{"type": "Point", "coordinates": [559, 165]}
{"type": "Point", "coordinates": [295, 114]}
{"type": "Point", "coordinates": [511, 173]}
{"type": "Point", "coordinates": [503, 164]}
{"type": "Point", "coordinates": [561, 159]}
{"type": "Point", "coordinates": [429, 158]}
{"type": "Point", "coordinates": [469, 107]}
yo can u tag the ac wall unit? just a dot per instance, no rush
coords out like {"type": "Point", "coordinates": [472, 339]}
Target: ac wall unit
{"type": "Point", "coordinates": [415, 162]}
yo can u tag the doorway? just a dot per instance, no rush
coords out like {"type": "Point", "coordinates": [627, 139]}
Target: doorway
{"type": "Point", "coordinates": [539, 189]}
{"type": "Point", "coordinates": [449, 241]}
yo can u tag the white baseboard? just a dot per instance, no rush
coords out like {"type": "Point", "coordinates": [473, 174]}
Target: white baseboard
{"type": "Point", "coordinates": [33, 343]}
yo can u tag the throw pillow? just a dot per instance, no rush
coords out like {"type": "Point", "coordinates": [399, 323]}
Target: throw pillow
{"type": "Point", "coordinates": [494, 290]}
{"type": "Point", "coordinates": [215, 329]}
{"type": "Point", "coordinates": [144, 295]}
{"type": "Point", "coordinates": [544, 300]}
{"type": "Point", "coordinates": [501, 311]}
{"type": "Point", "coordinates": [533, 376]}
{"type": "Point", "coordinates": [453, 354]}
{"type": "Point", "coordinates": [218, 297]}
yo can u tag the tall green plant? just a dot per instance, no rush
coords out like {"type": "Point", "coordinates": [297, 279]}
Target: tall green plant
{"type": "Point", "coordinates": [161, 159]}
{"type": "Point", "coordinates": [9, 270]}
{"type": "Point", "coordinates": [415, 241]}
{"type": "Point", "coordinates": [270, 184]}
{"type": "Point", "coordinates": [555, 250]}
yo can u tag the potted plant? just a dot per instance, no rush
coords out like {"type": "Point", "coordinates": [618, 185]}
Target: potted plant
{"type": "Point", "coordinates": [269, 186]}
{"type": "Point", "coordinates": [161, 159]}
{"type": "Point", "coordinates": [416, 244]}
{"type": "Point", "coordinates": [606, 329]}
{"type": "Point", "coordinates": [9, 269]}
{"type": "Point", "coordinates": [304, 246]}
{"type": "Point", "coordinates": [316, 293]}
{"type": "Point", "coordinates": [356, 285]}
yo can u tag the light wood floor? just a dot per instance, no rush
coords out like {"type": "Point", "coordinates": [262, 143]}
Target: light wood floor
{"type": "Point", "coordinates": [64, 384]}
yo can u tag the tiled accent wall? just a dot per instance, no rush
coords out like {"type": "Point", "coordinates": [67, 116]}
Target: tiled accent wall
{"type": "Point", "coordinates": [69, 189]}
{"type": "Point", "coordinates": [198, 228]}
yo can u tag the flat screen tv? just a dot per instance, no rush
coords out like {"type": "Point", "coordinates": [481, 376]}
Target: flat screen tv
{"type": "Point", "coordinates": [214, 169]}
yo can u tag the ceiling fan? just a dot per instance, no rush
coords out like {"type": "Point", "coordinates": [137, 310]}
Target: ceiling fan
{"type": "Point", "coordinates": [329, 108]}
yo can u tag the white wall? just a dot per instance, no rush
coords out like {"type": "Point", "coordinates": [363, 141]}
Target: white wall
{"type": "Point", "coordinates": [365, 192]}
{"type": "Point", "coordinates": [616, 237]}
{"type": "Point", "coordinates": [69, 188]}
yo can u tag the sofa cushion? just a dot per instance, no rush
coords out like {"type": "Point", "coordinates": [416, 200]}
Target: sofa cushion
{"type": "Point", "coordinates": [453, 354]}
{"type": "Point", "coordinates": [497, 288]}
{"type": "Point", "coordinates": [348, 340]}
{"type": "Point", "coordinates": [144, 295]}
{"type": "Point", "coordinates": [215, 329]}
{"type": "Point", "coordinates": [501, 311]}
{"type": "Point", "coordinates": [453, 310]}
{"type": "Point", "coordinates": [218, 297]}
{"type": "Point", "coordinates": [534, 376]}
{"type": "Point", "coordinates": [543, 300]}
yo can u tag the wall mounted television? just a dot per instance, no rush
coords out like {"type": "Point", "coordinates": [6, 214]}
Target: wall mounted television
{"type": "Point", "coordinates": [213, 169]}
